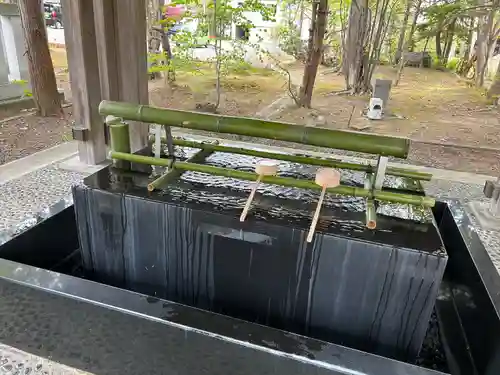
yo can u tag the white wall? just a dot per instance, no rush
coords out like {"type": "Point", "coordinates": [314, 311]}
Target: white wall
{"type": "Point", "coordinates": [262, 29]}
{"type": "Point", "coordinates": [13, 62]}
{"type": "Point", "coordinates": [491, 69]}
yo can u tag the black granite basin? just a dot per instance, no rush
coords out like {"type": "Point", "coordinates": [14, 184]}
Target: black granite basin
{"type": "Point", "coordinates": [171, 282]}
{"type": "Point", "coordinates": [372, 290]}
{"type": "Point", "coordinates": [49, 308]}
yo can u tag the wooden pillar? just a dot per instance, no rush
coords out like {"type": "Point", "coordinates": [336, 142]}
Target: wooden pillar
{"type": "Point", "coordinates": [122, 51]}
{"type": "Point", "coordinates": [104, 18]}
{"type": "Point", "coordinates": [79, 33]}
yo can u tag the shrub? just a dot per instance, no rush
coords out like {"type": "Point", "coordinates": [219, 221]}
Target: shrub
{"type": "Point", "coordinates": [438, 64]}
{"type": "Point", "coordinates": [452, 64]}
{"type": "Point", "coordinates": [289, 41]}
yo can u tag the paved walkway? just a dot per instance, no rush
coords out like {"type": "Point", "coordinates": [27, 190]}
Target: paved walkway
{"type": "Point", "coordinates": [55, 36]}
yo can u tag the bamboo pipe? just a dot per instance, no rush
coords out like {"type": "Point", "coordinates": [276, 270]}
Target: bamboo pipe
{"type": "Point", "coordinates": [119, 138]}
{"type": "Point", "coordinates": [380, 195]}
{"type": "Point", "coordinates": [119, 134]}
{"type": "Point", "coordinates": [339, 139]}
{"type": "Point", "coordinates": [398, 172]}
{"type": "Point", "coordinates": [284, 181]}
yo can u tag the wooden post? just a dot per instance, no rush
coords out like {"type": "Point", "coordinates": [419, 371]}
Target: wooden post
{"type": "Point", "coordinates": [104, 18]}
{"type": "Point", "coordinates": [79, 33]}
{"type": "Point", "coordinates": [121, 47]}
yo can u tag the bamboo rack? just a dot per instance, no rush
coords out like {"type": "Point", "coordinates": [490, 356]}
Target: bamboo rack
{"type": "Point", "coordinates": [338, 139]}
{"type": "Point", "coordinates": [283, 181]}
{"type": "Point", "coordinates": [175, 172]}
{"type": "Point", "coordinates": [398, 172]}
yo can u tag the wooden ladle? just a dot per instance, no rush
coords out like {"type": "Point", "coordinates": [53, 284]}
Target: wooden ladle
{"type": "Point", "coordinates": [263, 168]}
{"type": "Point", "coordinates": [326, 178]}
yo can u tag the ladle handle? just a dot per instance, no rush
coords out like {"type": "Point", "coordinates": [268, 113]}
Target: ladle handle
{"type": "Point", "coordinates": [316, 216]}
{"type": "Point", "coordinates": [250, 199]}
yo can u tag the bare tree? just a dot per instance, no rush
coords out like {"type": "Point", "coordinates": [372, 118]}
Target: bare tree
{"type": "Point", "coordinates": [355, 58]}
{"type": "Point", "coordinates": [450, 33]}
{"type": "Point", "coordinates": [488, 32]}
{"type": "Point", "coordinates": [41, 69]}
{"type": "Point", "coordinates": [494, 90]}
{"type": "Point", "coordinates": [402, 33]}
{"type": "Point", "coordinates": [468, 55]}
{"type": "Point", "coordinates": [314, 50]}
{"type": "Point", "coordinates": [416, 13]}
{"type": "Point", "coordinates": [363, 41]}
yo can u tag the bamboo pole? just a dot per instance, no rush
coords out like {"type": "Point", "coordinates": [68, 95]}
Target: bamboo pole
{"type": "Point", "coordinates": [275, 180]}
{"type": "Point", "coordinates": [307, 184]}
{"type": "Point", "coordinates": [398, 172]}
{"type": "Point", "coordinates": [339, 139]}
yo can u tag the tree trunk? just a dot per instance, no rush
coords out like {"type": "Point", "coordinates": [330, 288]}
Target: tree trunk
{"type": "Point", "coordinates": [355, 56]}
{"type": "Point", "coordinates": [494, 90]}
{"type": "Point", "coordinates": [401, 65]}
{"type": "Point", "coordinates": [449, 41]}
{"type": "Point", "coordinates": [402, 33]}
{"type": "Point", "coordinates": [468, 43]}
{"type": "Point", "coordinates": [316, 38]}
{"type": "Point", "coordinates": [375, 42]}
{"type": "Point", "coordinates": [410, 43]}
{"type": "Point", "coordinates": [153, 13]}
{"type": "Point", "coordinates": [439, 51]}
{"type": "Point", "coordinates": [42, 77]}
{"type": "Point", "coordinates": [301, 19]}
{"type": "Point", "coordinates": [483, 46]}
{"type": "Point", "coordinates": [387, 50]}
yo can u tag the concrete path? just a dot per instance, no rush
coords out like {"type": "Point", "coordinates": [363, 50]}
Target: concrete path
{"type": "Point", "coordinates": [56, 36]}
{"type": "Point", "coordinates": [28, 164]}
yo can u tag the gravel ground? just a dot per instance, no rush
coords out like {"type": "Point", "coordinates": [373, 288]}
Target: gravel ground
{"type": "Point", "coordinates": [464, 159]}
{"type": "Point", "coordinates": [26, 196]}
{"type": "Point", "coordinates": [23, 136]}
